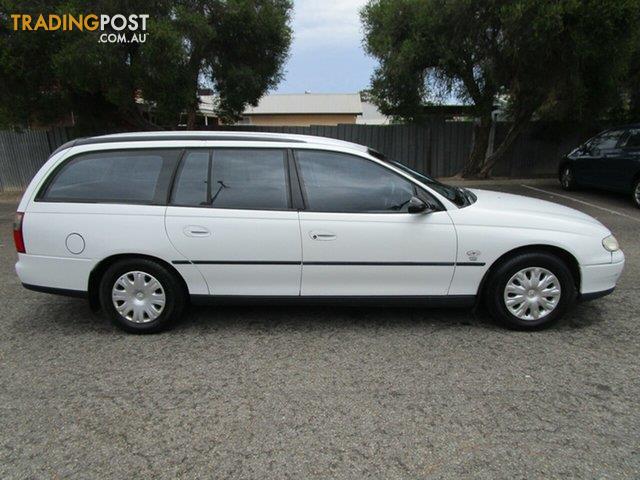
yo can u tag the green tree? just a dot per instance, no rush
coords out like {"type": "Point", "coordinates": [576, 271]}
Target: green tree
{"type": "Point", "coordinates": [235, 47]}
{"type": "Point", "coordinates": [561, 59]}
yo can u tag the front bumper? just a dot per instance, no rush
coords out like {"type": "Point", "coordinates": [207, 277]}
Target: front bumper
{"type": "Point", "coordinates": [584, 297]}
{"type": "Point", "coordinates": [600, 280]}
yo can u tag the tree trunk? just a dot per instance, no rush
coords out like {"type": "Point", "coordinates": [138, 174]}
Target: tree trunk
{"type": "Point", "coordinates": [139, 122]}
{"type": "Point", "coordinates": [494, 158]}
{"type": "Point", "coordinates": [191, 117]}
{"type": "Point", "coordinates": [194, 67]}
{"type": "Point", "coordinates": [476, 160]}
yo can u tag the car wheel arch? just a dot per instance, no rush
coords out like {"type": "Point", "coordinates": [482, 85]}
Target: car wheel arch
{"type": "Point", "coordinates": [635, 178]}
{"type": "Point", "coordinates": [564, 164]}
{"type": "Point", "coordinates": [105, 263]}
{"type": "Point", "coordinates": [566, 256]}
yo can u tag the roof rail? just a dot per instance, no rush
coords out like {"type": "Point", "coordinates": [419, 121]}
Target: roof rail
{"type": "Point", "coordinates": [211, 135]}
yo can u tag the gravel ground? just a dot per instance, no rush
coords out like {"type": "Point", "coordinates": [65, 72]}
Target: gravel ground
{"type": "Point", "coordinates": [275, 392]}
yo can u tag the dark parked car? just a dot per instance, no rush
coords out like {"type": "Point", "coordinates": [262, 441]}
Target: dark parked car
{"type": "Point", "coordinates": [610, 161]}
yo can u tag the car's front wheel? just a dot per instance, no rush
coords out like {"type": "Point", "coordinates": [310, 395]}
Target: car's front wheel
{"type": "Point", "coordinates": [141, 295]}
{"type": "Point", "coordinates": [567, 178]}
{"type": "Point", "coordinates": [530, 291]}
{"type": "Point", "coordinates": [635, 193]}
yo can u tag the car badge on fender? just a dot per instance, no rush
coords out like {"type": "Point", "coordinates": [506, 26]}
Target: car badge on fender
{"type": "Point", "coordinates": [473, 255]}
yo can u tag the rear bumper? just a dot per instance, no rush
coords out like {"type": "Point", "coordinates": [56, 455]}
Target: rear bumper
{"type": "Point", "coordinates": [57, 273]}
{"type": "Point", "coordinates": [57, 291]}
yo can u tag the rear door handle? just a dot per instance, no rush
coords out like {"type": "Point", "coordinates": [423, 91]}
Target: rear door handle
{"type": "Point", "coordinates": [322, 235]}
{"type": "Point", "coordinates": [196, 231]}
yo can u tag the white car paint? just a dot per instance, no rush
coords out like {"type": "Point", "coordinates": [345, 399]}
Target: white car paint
{"type": "Point", "coordinates": [240, 236]}
{"type": "Point", "coordinates": [358, 239]}
{"type": "Point", "coordinates": [500, 222]}
{"type": "Point", "coordinates": [435, 254]}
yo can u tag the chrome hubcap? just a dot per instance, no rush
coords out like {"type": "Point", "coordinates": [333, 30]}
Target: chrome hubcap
{"type": "Point", "coordinates": [138, 297]}
{"type": "Point", "coordinates": [532, 293]}
{"type": "Point", "coordinates": [636, 193]}
{"type": "Point", "coordinates": [566, 177]}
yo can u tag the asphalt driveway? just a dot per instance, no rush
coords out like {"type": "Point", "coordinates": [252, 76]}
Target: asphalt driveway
{"type": "Point", "coordinates": [275, 392]}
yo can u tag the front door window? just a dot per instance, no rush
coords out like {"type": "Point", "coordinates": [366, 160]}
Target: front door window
{"type": "Point", "coordinates": [336, 182]}
{"type": "Point", "coordinates": [604, 143]}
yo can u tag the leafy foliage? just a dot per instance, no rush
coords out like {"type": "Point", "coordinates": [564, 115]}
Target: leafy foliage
{"type": "Point", "coordinates": [236, 47]}
{"type": "Point", "coordinates": [566, 59]}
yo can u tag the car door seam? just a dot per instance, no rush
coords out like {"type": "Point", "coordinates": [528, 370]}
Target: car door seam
{"type": "Point", "coordinates": [455, 258]}
{"type": "Point", "coordinates": [301, 255]}
{"type": "Point", "coordinates": [188, 262]}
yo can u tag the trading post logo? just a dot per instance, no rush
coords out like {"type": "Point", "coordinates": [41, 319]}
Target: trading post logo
{"type": "Point", "coordinates": [112, 28]}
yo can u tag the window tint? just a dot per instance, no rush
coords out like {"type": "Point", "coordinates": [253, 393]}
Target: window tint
{"type": "Point", "coordinates": [605, 141]}
{"type": "Point", "coordinates": [134, 176]}
{"type": "Point", "coordinates": [336, 182]}
{"type": "Point", "coordinates": [233, 178]}
{"type": "Point", "coordinates": [249, 178]}
{"type": "Point", "coordinates": [191, 182]}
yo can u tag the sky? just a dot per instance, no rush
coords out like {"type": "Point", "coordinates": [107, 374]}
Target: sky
{"type": "Point", "coordinates": [326, 54]}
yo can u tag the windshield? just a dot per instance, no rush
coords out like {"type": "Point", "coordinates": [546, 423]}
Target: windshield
{"type": "Point", "coordinates": [460, 196]}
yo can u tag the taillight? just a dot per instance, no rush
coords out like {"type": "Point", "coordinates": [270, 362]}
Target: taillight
{"type": "Point", "coordinates": [18, 239]}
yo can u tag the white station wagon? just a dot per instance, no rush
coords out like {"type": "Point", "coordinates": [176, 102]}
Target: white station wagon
{"type": "Point", "coordinates": [144, 223]}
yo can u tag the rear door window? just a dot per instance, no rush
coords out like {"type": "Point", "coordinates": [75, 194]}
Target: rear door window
{"type": "Point", "coordinates": [235, 178]}
{"type": "Point", "coordinates": [191, 183]}
{"type": "Point", "coordinates": [132, 176]}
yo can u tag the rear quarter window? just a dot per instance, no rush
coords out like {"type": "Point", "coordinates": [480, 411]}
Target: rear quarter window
{"type": "Point", "coordinates": [123, 176]}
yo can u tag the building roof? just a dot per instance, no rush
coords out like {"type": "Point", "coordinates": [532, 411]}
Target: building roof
{"type": "Point", "coordinates": [372, 116]}
{"type": "Point", "coordinates": [297, 103]}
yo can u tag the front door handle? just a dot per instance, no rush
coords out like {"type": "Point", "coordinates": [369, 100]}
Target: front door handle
{"type": "Point", "coordinates": [322, 235]}
{"type": "Point", "coordinates": [196, 231]}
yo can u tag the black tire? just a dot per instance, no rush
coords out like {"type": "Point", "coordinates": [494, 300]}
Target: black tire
{"type": "Point", "coordinates": [494, 293]}
{"type": "Point", "coordinates": [567, 177]}
{"type": "Point", "coordinates": [635, 192]}
{"type": "Point", "coordinates": [170, 286]}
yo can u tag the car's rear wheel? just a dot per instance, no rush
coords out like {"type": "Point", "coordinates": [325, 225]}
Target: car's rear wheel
{"type": "Point", "coordinates": [530, 291]}
{"type": "Point", "coordinates": [567, 178]}
{"type": "Point", "coordinates": [635, 193]}
{"type": "Point", "coordinates": [141, 295]}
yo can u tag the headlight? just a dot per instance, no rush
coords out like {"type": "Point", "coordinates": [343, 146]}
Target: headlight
{"type": "Point", "coordinates": [610, 244]}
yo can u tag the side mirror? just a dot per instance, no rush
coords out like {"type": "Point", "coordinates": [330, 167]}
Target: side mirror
{"type": "Point", "coordinates": [418, 206]}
